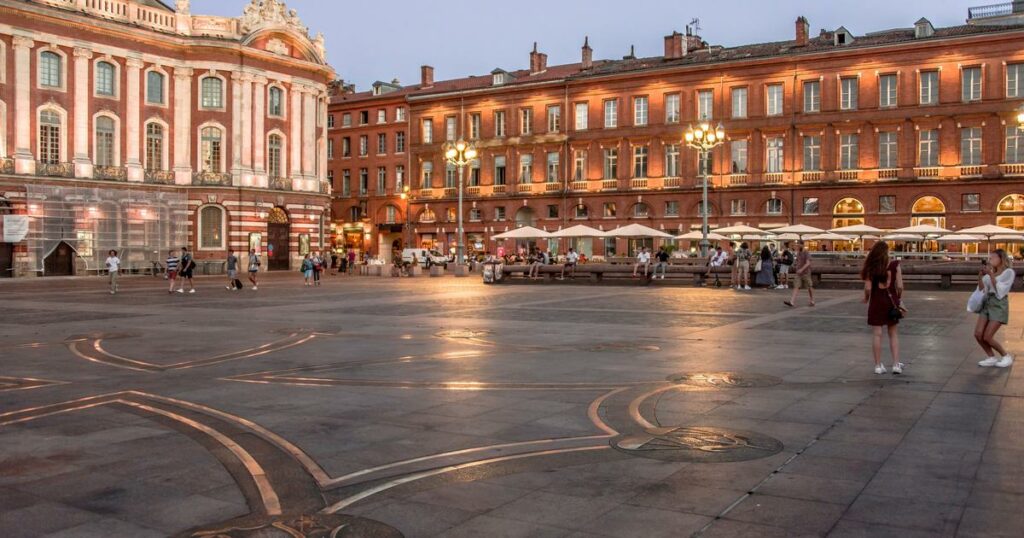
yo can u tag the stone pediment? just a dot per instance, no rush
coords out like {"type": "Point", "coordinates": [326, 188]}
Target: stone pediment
{"type": "Point", "coordinates": [263, 15]}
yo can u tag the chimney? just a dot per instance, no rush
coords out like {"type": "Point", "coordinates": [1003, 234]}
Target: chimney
{"type": "Point", "coordinates": [588, 54]}
{"type": "Point", "coordinates": [691, 42]}
{"type": "Point", "coordinates": [803, 31]}
{"type": "Point", "coordinates": [538, 61]}
{"type": "Point", "coordinates": [426, 76]}
{"type": "Point", "coordinates": [674, 46]}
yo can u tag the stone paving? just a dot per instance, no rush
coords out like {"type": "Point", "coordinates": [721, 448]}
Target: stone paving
{"type": "Point", "coordinates": [441, 407]}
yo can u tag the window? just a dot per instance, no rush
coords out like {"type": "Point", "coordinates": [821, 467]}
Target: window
{"type": "Point", "coordinates": [155, 88]}
{"type": "Point", "coordinates": [400, 142]}
{"type": "Point", "coordinates": [1014, 81]}
{"type": "Point", "coordinates": [672, 108]}
{"type": "Point", "coordinates": [928, 83]}
{"type": "Point", "coordinates": [428, 131]}
{"type": "Point", "coordinates": [525, 121]}
{"type": "Point", "coordinates": [449, 129]}
{"type": "Point", "coordinates": [346, 147]}
{"type": "Point", "coordinates": [970, 146]}
{"type": "Point", "coordinates": [773, 207]}
{"type": "Point", "coordinates": [887, 91]}
{"type": "Point", "coordinates": [849, 151]}
{"type": "Point", "coordinates": [364, 146]}
{"type": "Point", "coordinates": [639, 111]}
{"type": "Point", "coordinates": [848, 93]}
{"type": "Point", "coordinates": [812, 153]}
{"type": "Point", "coordinates": [1014, 145]}
{"type": "Point", "coordinates": [738, 207]}
{"type": "Point", "coordinates": [703, 164]}
{"type": "Point", "coordinates": [382, 115]}
{"type": "Point", "coordinates": [810, 206]}
{"type": "Point", "coordinates": [611, 114]}
{"type": "Point", "coordinates": [390, 214]}
{"type": "Point", "coordinates": [275, 107]}
{"type": "Point", "coordinates": [582, 116]}
{"type": "Point", "coordinates": [812, 96]}
{"type": "Point", "coordinates": [210, 144]}
{"type": "Point", "coordinates": [611, 163]}
{"type": "Point", "coordinates": [525, 168]}
{"type": "Point", "coordinates": [382, 180]}
{"type": "Point", "coordinates": [105, 138]}
{"type": "Point", "coordinates": [738, 150]}
{"type": "Point", "coordinates": [887, 204]}
{"type": "Point", "coordinates": [212, 92]}
{"type": "Point", "coordinates": [581, 212]}
{"type": "Point", "coordinates": [449, 176]}
{"type": "Point", "coordinates": [364, 117]}
{"type": "Point", "coordinates": [154, 147]}
{"type": "Point", "coordinates": [400, 113]}
{"type": "Point", "coordinates": [450, 214]}
{"type": "Point", "coordinates": [499, 213]}
{"type": "Point", "coordinates": [427, 179]}
{"type": "Point", "coordinates": [211, 227]}
{"type": "Point", "coordinates": [499, 170]}
{"type": "Point", "coordinates": [705, 105]}
{"type": "Point", "coordinates": [399, 178]}
{"type": "Point", "coordinates": [364, 181]}
{"type": "Point", "coordinates": [275, 149]}
{"type": "Point", "coordinates": [774, 104]}
{"type": "Point", "coordinates": [672, 160]}
{"type": "Point", "coordinates": [640, 161]}
{"type": "Point", "coordinates": [773, 155]}
{"type": "Point", "coordinates": [888, 154]}
{"type": "Point", "coordinates": [554, 168]}
{"type": "Point", "coordinates": [847, 212]}
{"type": "Point", "coordinates": [928, 148]}
{"type": "Point", "coordinates": [474, 126]}
{"type": "Point", "coordinates": [970, 84]}
{"type": "Point", "coordinates": [672, 208]}
{"type": "Point", "coordinates": [499, 124]}
{"type": "Point", "coordinates": [346, 120]}
{"type": "Point", "coordinates": [106, 79]}
{"type": "Point", "coordinates": [552, 211]}
{"type": "Point", "coordinates": [346, 183]}
{"type": "Point", "coordinates": [739, 102]}
{"type": "Point", "coordinates": [474, 173]}
{"type": "Point", "coordinates": [330, 121]}
{"type": "Point", "coordinates": [382, 143]}
{"type": "Point", "coordinates": [970, 202]}
{"type": "Point", "coordinates": [609, 210]}
{"type": "Point", "coordinates": [475, 214]}
{"type": "Point", "coordinates": [554, 118]}
{"type": "Point", "coordinates": [330, 149]}
{"type": "Point", "coordinates": [579, 165]}
{"type": "Point", "coordinates": [51, 73]}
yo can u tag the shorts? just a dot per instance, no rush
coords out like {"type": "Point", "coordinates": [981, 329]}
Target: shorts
{"type": "Point", "coordinates": [309, 273]}
{"type": "Point", "coordinates": [232, 274]}
{"type": "Point", "coordinates": [744, 266]}
{"type": "Point", "coordinates": [254, 270]}
{"type": "Point", "coordinates": [803, 281]}
{"type": "Point", "coordinates": [186, 274]}
{"type": "Point", "coordinates": [783, 269]}
{"type": "Point", "coordinates": [996, 309]}
{"type": "Point", "coordinates": [171, 275]}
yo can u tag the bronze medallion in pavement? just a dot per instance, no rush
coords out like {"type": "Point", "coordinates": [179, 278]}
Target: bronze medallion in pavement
{"type": "Point", "coordinates": [701, 444]}
{"type": "Point", "coordinates": [725, 380]}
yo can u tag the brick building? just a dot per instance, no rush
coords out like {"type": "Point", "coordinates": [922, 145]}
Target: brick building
{"type": "Point", "coordinates": [891, 128]}
{"type": "Point", "coordinates": [135, 126]}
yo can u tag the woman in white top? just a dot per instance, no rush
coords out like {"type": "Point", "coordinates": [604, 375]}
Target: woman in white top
{"type": "Point", "coordinates": [995, 279]}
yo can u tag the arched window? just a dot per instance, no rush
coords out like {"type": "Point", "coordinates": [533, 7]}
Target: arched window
{"type": "Point", "coordinates": [641, 211]}
{"type": "Point", "coordinates": [106, 79]}
{"type": "Point", "coordinates": [211, 227]}
{"type": "Point", "coordinates": [154, 146]}
{"type": "Point", "coordinates": [274, 148]}
{"type": "Point", "coordinates": [155, 88]}
{"type": "Point", "coordinates": [49, 137]}
{"type": "Point", "coordinates": [212, 92]}
{"type": "Point", "coordinates": [50, 70]}
{"type": "Point", "coordinates": [105, 139]}
{"type": "Point", "coordinates": [1010, 212]}
{"type": "Point", "coordinates": [773, 206]}
{"type": "Point", "coordinates": [275, 106]}
{"type": "Point", "coordinates": [847, 212]}
{"type": "Point", "coordinates": [211, 149]}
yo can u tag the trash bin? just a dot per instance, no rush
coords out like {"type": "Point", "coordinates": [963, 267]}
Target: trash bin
{"type": "Point", "coordinates": [493, 271]}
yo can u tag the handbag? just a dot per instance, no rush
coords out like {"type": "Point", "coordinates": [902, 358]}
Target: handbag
{"type": "Point", "coordinates": [757, 266]}
{"type": "Point", "coordinates": [976, 301]}
{"type": "Point", "coordinates": [895, 312]}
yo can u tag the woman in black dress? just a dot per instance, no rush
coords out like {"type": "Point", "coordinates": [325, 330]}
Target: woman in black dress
{"type": "Point", "coordinates": [883, 288]}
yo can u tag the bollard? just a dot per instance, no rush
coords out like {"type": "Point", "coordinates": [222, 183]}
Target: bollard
{"type": "Point", "coordinates": [436, 270]}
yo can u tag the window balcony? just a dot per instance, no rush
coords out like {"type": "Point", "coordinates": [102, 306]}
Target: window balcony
{"type": "Point", "coordinates": [812, 176]}
{"type": "Point", "coordinates": [280, 183]}
{"type": "Point", "coordinates": [1012, 169]}
{"type": "Point", "coordinates": [215, 179]}
{"type": "Point", "coordinates": [738, 179]}
{"type": "Point", "coordinates": [578, 186]}
{"type": "Point", "coordinates": [970, 171]}
{"type": "Point", "coordinates": [924, 172]}
{"type": "Point", "coordinates": [500, 189]}
{"type": "Point", "coordinates": [638, 183]}
{"type": "Point", "coordinates": [110, 173]}
{"type": "Point", "coordinates": [673, 182]}
{"type": "Point", "coordinates": [848, 175]}
{"type": "Point", "coordinates": [552, 186]}
{"type": "Point", "coordinates": [888, 173]}
{"type": "Point", "coordinates": [424, 194]}
{"type": "Point", "coordinates": [774, 178]}
{"type": "Point", "coordinates": [473, 190]}
{"type": "Point", "coordinates": [158, 177]}
{"type": "Point", "coordinates": [609, 184]}
{"type": "Point", "coordinates": [451, 192]}
{"type": "Point", "coordinates": [524, 188]}
{"type": "Point", "coordinates": [55, 169]}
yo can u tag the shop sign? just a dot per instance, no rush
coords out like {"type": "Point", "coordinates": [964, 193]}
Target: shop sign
{"type": "Point", "coordinates": [15, 228]}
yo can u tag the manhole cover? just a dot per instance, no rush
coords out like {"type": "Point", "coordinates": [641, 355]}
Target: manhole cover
{"type": "Point", "coordinates": [304, 526]}
{"type": "Point", "coordinates": [698, 444]}
{"type": "Point", "coordinates": [462, 333]}
{"type": "Point", "coordinates": [725, 380]}
{"type": "Point", "coordinates": [621, 346]}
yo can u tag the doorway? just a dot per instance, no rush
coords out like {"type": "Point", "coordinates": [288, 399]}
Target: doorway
{"type": "Point", "coordinates": [60, 262]}
{"type": "Point", "coordinates": [6, 260]}
{"type": "Point", "coordinates": [277, 246]}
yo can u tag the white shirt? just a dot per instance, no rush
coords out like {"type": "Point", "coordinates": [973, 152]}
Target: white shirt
{"type": "Point", "coordinates": [572, 257]}
{"type": "Point", "coordinates": [1002, 285]}
{"type": "Point", "coordinates": [643, 257]}
{"type": "Point", "coordinates": [719, 259]}
{"type": "Point", "coordinates": [114, 264]}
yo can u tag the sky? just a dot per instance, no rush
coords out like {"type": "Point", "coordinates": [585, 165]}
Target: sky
{"type": "Point", "coordinates": [383, 40]}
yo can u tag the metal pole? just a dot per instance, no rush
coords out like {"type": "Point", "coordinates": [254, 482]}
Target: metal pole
{"type": "Point", "coordinates": [704, 244]}
{"type": "Point", "coordinates": [461, 246]}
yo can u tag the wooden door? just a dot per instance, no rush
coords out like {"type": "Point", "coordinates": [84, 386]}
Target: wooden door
{"type": "Point", "coordinates": [277, 247]}
{"type": "Point", "coordinates": [60, 262]}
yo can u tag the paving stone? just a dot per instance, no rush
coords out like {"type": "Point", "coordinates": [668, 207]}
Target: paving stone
{"type": "Point", "coordinates": [795, 515]}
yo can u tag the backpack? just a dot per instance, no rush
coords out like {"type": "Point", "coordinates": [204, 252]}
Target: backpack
{"type": "Point", "coordinates": [787, 258]}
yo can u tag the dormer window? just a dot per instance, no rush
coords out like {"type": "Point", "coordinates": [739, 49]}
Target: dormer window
{"type": "Point", "coordinates": [843, 37]}
{"type": "Point", "coordinates": [499, 79]}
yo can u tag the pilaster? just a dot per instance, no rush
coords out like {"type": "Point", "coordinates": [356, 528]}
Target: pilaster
{"type": "Point", "coordinates": [82, 160]}
{"type": "Point", "coordinates": [259, 131]}
{"type": "Point", "coordinates": [24, 160]}
{"type": "Point", "coordinates": [133, 125]}
{"type": "Point", "coordinates": [182, 126]}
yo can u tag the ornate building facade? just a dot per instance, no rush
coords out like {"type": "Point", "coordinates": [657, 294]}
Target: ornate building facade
{"type": "Point", "coordinates": [134, 126]}
{"type": "Point", "coordinates": [891, 128]}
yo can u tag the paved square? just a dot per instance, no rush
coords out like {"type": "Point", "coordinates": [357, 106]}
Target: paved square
{"type": "Point", "coordinates": [441, 407]}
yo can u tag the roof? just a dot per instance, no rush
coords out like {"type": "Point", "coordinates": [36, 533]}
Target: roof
{"type": "Point", "coordinates": [714, 54]}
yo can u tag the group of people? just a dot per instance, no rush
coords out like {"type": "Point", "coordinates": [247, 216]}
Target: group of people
{"type": "Point", "coordinates": [771, 267]}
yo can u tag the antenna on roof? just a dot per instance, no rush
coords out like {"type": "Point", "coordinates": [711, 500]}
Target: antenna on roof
{"type": "Point", "coordinates": [694, 26]}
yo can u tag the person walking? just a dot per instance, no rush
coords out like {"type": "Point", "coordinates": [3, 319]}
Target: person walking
{"type": "Point", "coordinates": [995, 280]}
{"type": "Point", "coordinates": [254, 269]}
{"type": "Point", "coordinates": [232, 268]}
{"type": "Point", "coordinates": [883, 287]}
{"type": "Point", "coordinates": [343, 263]}
{"type": "Point", "coordinates": [172, 270]}
{"type": "Point", "coordinates": [785, 263]}
{"type": "Point", "coordinates": [186, 267]}
{"type": "Point", "coordinates": [801, 275]}
{"type": "Point", "coordinates": [662, 257]}
{"type": "Point", "coordinates": [318, 267]}
{"type": "Point", "coordinates": [307, 270]}
{"type": "Point", "coordinates": [351, 261]}
{"type": "Point", "coordinates": [742, 267]}
{"type": "Point", "coordinates": [766, 275]}
{"type": "Point", "coordinates": [113, 268]}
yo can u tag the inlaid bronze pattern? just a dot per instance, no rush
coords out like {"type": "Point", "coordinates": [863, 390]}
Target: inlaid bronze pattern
{"type": "Point", "coordinates": [725, 380]}
{"type": "Point", "coordinates": [621, 347]}
{"type": "Point", "coordinates": [704, 444]}
{"type": "Point", "coordinates": [301, 526]}
{"type": "Point", "coordinates": [24, 383]}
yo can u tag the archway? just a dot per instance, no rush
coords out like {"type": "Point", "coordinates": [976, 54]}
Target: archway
{"type": "Point", "coordinates": [847, 212]}
{"type": "Point", "coordinates": [60, 261]}
{"type": "Point", "coordinates": [930, 211]}
{"type": "Point", "coordinates": [278, 238]}
{"type": "Point", "coordinates": [1010, 214]}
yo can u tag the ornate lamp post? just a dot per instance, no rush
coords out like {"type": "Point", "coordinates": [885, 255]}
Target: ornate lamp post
{"type": "Point", "coordinates": [704, 139]}
{"type": "Point", "coordinates": [408, 219]}
{"type": "Point", "coordinates": [460, 154]}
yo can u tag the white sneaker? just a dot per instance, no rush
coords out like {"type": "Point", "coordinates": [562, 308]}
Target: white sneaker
{"type": "Point", "coordinates": [193, 290]}
{"type": "Point", "coordinates": [880, 369]}
{"type": "Point", "coordinates": [897, 368]}
{"type": "Point", "coordinates": [989, 362]}
{"type": "Point", "coordinates": [746, 287]}
{"type": "Point", "coordinates": [1005, 362]}
{"type": "Point", "coordinates": [181, 290]}
{"type": "Point", "coordinates": [254, 288]}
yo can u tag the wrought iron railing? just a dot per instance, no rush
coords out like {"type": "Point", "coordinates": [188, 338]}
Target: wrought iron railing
{"type": "Point", "coordinates": [159, 177]}
{"type": "Point", "coordinates": [280, 183]}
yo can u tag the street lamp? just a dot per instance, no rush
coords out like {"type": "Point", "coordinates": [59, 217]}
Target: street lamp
{"type": "Point", "coordinates": [1020, 116]}
{"type": "Point", "coordinates": [704, 138]}
{"type": "Point", "coordinates": [408, 219]}
{"type": "Point", "coordinates": [460, 154]}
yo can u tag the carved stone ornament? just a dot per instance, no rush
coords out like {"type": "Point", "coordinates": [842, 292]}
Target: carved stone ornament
{"type": "Point", "coordinates": [270, 13]}
{"type": "Point", "coordinates": [277, 46]}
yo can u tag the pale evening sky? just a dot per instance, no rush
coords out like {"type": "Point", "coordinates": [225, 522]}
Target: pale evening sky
{"type": "Point", "coordinates": [382, 40]}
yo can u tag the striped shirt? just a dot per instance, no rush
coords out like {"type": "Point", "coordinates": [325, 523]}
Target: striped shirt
{"type": "Point", "coordinates": [172, 264]}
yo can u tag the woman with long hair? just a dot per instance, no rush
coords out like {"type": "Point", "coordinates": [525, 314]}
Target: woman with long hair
{"type": "Point", "coordinates": [766, 276]}
{"type": "Point", "coordinates": [995, 279]}
{"type": "Point", "coordinates": [883, 288]}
